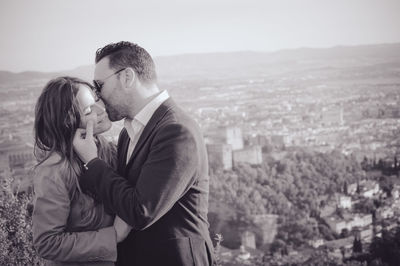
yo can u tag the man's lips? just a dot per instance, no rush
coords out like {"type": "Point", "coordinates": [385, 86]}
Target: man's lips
{"type": "Point", "coordinates": [101, 117]}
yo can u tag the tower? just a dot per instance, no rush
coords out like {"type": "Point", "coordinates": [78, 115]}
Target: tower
{"type": "Point", "coordinates": [234, 138]}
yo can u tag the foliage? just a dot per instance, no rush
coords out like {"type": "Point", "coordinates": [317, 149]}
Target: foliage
{"type": "Point", "coordinates": [386, 183]}
{"type": "Point", "coordinates": [322, 257]}
{"type": "Point", "coordinates": [296, 233]}
{"type": "Point", "coordinates": [387, 248]}
{"type": "Point", "coordinates": [289, 187]}
{"type": "Point", "coordinates": [357, 245]}
{"type": "Point", "coordinates": [297, 179]}
{"type": "Point", "coordinates": [16, 227]}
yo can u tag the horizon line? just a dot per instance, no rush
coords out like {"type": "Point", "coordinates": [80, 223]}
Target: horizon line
{"type": "Point", "coordinates": [220, 52]}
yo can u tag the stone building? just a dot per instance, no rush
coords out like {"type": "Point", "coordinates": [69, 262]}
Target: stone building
{"type": "Point", "coordinates": [14, 154]}
{"type": "Point", "coordinates": [248, 239]}
{"type": "Point", "coordinates": [220, 156]}
{"type": "Point", "coordinates": [268, 226]}
{"type": "Point", "coordinates": [344, 202]}
{"type": "Point", "coordinates": [251, 155]}
{"type": "Point", "coordinates": [234, 137]}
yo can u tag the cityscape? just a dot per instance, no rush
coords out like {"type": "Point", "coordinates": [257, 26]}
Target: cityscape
{"type": "Point", "coordinates": [303, 147]}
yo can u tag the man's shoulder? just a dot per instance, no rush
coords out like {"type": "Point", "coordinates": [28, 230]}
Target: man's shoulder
{"type": "Point", "coordinates": [174, 114]}
{"type": "Point", "coordinates": [180, 120]}
{"type": "Point", "coordinates": [174, 119]}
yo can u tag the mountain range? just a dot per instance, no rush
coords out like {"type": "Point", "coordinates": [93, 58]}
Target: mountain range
{"type": "Point", "coordinates": [247, 63]}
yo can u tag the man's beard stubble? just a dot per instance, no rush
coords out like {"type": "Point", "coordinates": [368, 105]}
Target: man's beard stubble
{"type": "Point", "coordinates": [112, 113]}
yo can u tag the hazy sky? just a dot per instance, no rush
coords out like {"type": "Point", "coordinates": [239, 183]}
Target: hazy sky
{"type": "Point", "coordinates": [51, 35]}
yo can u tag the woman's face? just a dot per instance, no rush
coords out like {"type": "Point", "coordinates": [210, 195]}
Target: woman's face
{"type": "Point", "coordinates": [92, 110]}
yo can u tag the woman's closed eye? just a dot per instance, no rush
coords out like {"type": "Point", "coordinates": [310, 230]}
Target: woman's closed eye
{"type": "Point", "coordinates": [87, 110]}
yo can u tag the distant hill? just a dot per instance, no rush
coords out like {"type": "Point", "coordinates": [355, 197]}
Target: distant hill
{"type": "Point", "coordinates": [84, 72]}
{"type": "Point", "coordinates": [247, 63]}
{"type": "Point", "coordinates": [243, 64]}
{"type": "Point", "coordinates": [7, 77]}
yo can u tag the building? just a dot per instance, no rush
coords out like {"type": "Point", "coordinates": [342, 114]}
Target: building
{"type": "Point", "coordinates": [234, 138]}
{"type": "Point", "coordinates": [367, 234]}
{"type": "Point", "coordinates": [352, 189]}
{"type": "Point", "coordinates": [340, 247]}
{"type": "Point", "coordinates": [395, 193]}
{"type": "Point", "coordinates": [227, 150]}
{"type": "Point", "coordinates": [278, 141]}
{"type": "Point", "coordinates": [251, 155]}
{"type": "Point", "coordinates": [248, 239]}
{"type": "Point", "coordinates": [268, 224]}
{"type": "Point", "coordinates": [385, 213]}
{"type": "Point", "coordinates": [332, 116]}
{"type": "Point", "coordinates": [327, 210]}
{"type": "Point", "coordinates": [349, 222]}
{"type": "Point", "coordinates": [315, 243]}
{"type": "Point", "coordinates": [16, 162]}
{"type": "Point", "coordinates": [219, 156]}
{"type": "Point", "coordinates": [360, 220]}
{"type": "Point", "coordinates": [369, 188]}
{"type": "Point", "coordinates": [20, 160]}
{"type": "Point", "coordinates": [258, 140]}
{"type": "Point", "coordinates": [15, 155]}
{"type": "Point", "coordinates": [344, 202]}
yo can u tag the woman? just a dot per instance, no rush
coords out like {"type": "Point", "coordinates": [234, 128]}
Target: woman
{"type": "Point", "coordinates": [68, 225]}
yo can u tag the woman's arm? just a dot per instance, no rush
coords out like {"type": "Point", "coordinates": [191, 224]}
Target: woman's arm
{"type": "Point", "coordinates": [50, 238]}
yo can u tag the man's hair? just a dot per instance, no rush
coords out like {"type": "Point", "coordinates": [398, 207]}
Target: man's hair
{"type": "Point", "coordinates": [127, 54]}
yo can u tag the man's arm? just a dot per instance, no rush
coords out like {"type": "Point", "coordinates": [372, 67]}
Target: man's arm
{"type": "Point", "coordinates": [166, 176]}
{"type": "Point", "coordinates": [84, 144]}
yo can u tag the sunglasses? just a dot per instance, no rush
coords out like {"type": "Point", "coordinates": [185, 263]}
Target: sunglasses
{"type": "Point", "coordinates": [98, 84]}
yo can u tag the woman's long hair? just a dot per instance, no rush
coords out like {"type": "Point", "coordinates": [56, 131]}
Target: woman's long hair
{"type": "Point", "coordinates": [57, 118]}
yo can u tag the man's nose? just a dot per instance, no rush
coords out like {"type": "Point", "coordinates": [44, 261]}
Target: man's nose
{"type": "Point", "coordinates": [98, 107]}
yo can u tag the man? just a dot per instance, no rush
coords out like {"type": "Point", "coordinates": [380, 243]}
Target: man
{"type": "Point", "coordinates": [161, 185]}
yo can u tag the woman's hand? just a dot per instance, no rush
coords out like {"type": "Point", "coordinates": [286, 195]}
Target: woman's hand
{"type": "Point", "coordinates": [121, 228]}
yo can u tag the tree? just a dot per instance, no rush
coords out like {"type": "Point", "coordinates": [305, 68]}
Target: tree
{"type": "Point", "coordinates": [365, 164]}
{"type": "Point", "coordinates": [16, 227]}
{"type": "Point", "coordinates": [344, 233]}
{"type": "Point", "coordinates": [386, 183]}
{"type": "Point", "coordinates": [387, 248]}
{"type": "Point", "coordinates": [357, 245]}
{"type": "Point", "coordinates": [278, 246]}
{"type": "Point", "coordinates": [345, 188]}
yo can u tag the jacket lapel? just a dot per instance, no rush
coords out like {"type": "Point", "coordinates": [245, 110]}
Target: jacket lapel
{"type": "Point", "coordinates": [157, 116]}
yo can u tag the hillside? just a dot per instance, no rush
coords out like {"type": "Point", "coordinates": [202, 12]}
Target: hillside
{"type": "Point", "coordinates": [251, 64]}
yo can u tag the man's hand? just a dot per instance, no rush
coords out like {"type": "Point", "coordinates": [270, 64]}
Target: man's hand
{"type": "Point", "coordinates": [121, 228]}
{"type": "Point", "coordinates": [84, 144]}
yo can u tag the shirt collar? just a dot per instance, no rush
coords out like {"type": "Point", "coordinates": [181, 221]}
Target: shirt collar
{"type": "Point", "coordinates": [148, 110]}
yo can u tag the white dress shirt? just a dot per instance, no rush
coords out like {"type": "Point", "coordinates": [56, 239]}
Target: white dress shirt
{"type": "Point", "coordinates": [135, 127]}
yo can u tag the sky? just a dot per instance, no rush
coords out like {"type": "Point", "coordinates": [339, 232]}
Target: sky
{"type": "Point", "coordinates": [55, 35]}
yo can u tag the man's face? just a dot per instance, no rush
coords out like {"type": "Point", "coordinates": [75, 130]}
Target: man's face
{"type": "Point", "coordinates": [111, 90]}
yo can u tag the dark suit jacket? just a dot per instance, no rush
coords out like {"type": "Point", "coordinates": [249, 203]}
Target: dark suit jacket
{"type": "Point", "coordinates": [162, 192]}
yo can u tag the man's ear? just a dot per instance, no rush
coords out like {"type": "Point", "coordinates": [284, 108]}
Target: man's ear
{"type": "Point", "coordinates": [130, 77]}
